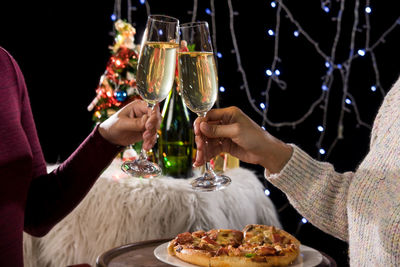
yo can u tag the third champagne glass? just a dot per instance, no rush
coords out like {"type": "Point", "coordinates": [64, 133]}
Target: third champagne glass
{"type": "Point", "coordinates": [154, 78]}
{"type": "Point", "coordinates": [199, 87]}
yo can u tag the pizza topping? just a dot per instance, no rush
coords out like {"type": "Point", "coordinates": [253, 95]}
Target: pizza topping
{"type": "Point", "coordinates": [263, 244]}
{"type": "Point", "coordinates": [276, 237]}
{"type": "Point", "coordinates": [199, 234]}
{"type": "Point", "coordinates": [222, 251]}
{"type": "Point", "coordinates": [184, 238]}
{"type": "Point", "coordinates": [249, 255]}
{"type": "Point", "coordinates": [209, 240]}
{"type": "Point", "coordinates": [265, 251]}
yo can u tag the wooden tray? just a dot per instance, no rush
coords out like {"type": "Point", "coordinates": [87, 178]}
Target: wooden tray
{"type": "Point", "coordinates": [141, 254]}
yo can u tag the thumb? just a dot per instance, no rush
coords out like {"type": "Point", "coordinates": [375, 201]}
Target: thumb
{"type": "Point", "coordinates": [217, 131]}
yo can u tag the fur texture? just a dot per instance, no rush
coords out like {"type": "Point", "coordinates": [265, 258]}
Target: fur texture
{"type": "Point", "coordinates": [123, 210]}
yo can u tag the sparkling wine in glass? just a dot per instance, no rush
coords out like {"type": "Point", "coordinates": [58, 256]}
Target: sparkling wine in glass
{"type": "Point", "coordinates": [154, 78]}
{"type": "Point", "coordinates": [198, 81]}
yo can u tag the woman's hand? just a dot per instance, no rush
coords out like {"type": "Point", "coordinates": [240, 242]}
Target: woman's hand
{"type": "Point", "coordinates": [131, 124]}
{"type": "Point", "coordinates": [230, 130]}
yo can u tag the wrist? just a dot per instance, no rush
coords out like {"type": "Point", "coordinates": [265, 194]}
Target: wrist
{"type": "Point", "coordinates": [278, 155]}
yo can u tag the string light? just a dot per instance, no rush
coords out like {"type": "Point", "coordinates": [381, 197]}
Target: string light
{"type": "Point", "coordinates": [113, 17]}
{"type": "Point", "coordinates": [267, 192]}
{"type": "Point", "coordinates": [335, 68]}
{"type": "Point", "coordinates": [361, 52]}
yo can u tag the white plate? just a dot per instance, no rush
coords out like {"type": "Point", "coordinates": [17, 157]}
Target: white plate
{"type": "Point", "coordinates": [309, 257]}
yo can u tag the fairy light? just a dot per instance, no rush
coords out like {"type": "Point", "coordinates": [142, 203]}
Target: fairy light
{"type": "Point", "coordinates": [333, 67]}
{"type": "Point", "coordinates": [267, 192]}
{"type": "Point", "coordinates": [113, 17]}
{"type": "Point", "coordinates": [361, 52]}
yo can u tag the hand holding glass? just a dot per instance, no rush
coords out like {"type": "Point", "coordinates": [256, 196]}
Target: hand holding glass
{"type": "Point", "coordinates": [154, 78]}
{"type": "Point", "coordinates": [199, 87]}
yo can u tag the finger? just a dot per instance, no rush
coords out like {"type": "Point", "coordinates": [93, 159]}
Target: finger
{"type": "Point", "coordinates": [219, 131]}
{"type": "Point", "coordinates": [221, 114]}
{"type": "Point", "coordinates": [154, 121]}
{"type": "Point", "coordinates": [148, 142]}
{"type": "Point", "coordinates": [134, 109]}
{"type": "Point", "coordinates": [196, 125]}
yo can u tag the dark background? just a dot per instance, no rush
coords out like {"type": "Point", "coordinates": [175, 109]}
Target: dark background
{"type": "Point", "coordinates": [62, 49]}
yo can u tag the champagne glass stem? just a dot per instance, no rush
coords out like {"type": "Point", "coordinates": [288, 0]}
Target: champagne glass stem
{"type": "Point", "coordinates": [208, 172]}
{"type": "Point", "coordinates": [143, 152]}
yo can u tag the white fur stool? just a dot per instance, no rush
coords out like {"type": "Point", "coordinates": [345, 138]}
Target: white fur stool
{"type": "Point", "coordinates": [120, 210]}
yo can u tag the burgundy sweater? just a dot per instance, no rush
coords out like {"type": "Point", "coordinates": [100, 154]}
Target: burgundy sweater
{"type": "Point", "coordinates": [32, 200]}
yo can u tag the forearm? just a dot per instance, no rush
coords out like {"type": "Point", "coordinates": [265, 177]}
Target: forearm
{"type": "Point", "coordinates": [316, 191]}
{"type": "Point", "coordinates": [53, 196]}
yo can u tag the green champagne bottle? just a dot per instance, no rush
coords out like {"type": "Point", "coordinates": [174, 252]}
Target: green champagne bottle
{"type": "Point", "coordinates": [176, 138]}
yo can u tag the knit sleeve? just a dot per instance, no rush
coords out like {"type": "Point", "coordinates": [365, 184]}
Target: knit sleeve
{"type": "Point", "coordinates": [316, 191]}
{"type": "Point", "coordinates": [52, 196]}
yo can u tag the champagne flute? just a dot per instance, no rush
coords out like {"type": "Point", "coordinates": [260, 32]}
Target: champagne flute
{"type": "Point", "coordinates": [198, 85]}
{"type": "Point", "coordinates": [154, 78]}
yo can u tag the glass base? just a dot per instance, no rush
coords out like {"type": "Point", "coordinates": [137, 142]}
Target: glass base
{"type": "Point", "coordinates": [141, 168]}
{"type": "Point", "coordinates": [211, 183]}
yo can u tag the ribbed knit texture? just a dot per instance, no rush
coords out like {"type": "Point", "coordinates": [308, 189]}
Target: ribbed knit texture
{"type": "Point", "coordinates": [361, 207]}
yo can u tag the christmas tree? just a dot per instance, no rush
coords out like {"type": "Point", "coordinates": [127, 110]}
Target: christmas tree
{"type": "Point", "coordinates": [117, 86]}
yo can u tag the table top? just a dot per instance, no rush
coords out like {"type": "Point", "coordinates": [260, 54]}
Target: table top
{"type": "Point", "coordinates": [141, 254]}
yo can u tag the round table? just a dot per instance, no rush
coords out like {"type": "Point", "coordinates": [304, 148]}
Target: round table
{"type": "Point", "coordinates": [141, 254]}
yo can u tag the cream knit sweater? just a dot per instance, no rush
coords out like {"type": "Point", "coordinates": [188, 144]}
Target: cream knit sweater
{"type": "Point", "coordinates": [362, 207]}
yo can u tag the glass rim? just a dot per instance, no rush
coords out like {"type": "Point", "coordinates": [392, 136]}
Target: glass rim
{"type": "Point", "coordinates": [168, 19]}
{"type": "Point", "coordinates": [193, 24]}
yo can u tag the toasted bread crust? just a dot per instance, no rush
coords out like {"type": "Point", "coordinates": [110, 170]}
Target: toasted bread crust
{"type": "Point", "coordinates": [194, 256]}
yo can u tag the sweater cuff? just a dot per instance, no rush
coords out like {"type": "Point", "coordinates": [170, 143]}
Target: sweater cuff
{"type": "Point", "coordinates": [296, 175]}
